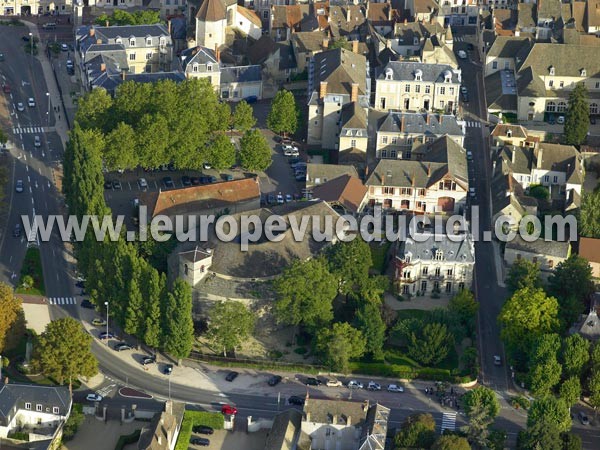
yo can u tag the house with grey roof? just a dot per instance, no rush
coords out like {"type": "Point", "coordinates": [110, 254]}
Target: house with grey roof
{"type": "Point", "coordinates": [428, 264]}
{"type": "Point", "coordinates": [548, 16]}
{"type": "Point", "coordinates": [38, 411]}
{"type": "Point", "coordinates": [277, 61]}
{"type": "Point", "coordinates": [241, 82]}
{"type": "Point", "coordinates": [335, 78]}
{"type": "Point", "coordinates": [317, 174]}
{"type": "Point", "coordinates": [503, 53]}
{"type": "Point", "coordinates": [202, 62]}
{"type": "Point", "coordinates": [306, 45]}
{"type": "Point", "coordinates": [414, 86]}
{"type": "Point", "coordinates": [399, 132]}
{"type": "Point", "coordinates": [559, 168]}
{"type": "Point", "coordinates": [592, 16]}
{"type": "Point", "coordinates": [458, 13]}
{"type": "Point", "coordinates": [547, 254]}
{"type": "Point", "coordinates": [353, 133]}
{"type": "Point", "coordinates": [526, 23]}
{"type": "Point", "coordinates": [163, 430]}
{"type": "Point", "coordinates": [110, 80]}
{"type": "Point", "coordinates": [434, 180]}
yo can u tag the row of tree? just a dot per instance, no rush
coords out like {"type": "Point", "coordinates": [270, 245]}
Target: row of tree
{"type": "Point", "coordinates": [589, 215]}
{"type": "Point", "coordinates": [116, 272]}
{"type": "Point", "coordinates": [185, 124]}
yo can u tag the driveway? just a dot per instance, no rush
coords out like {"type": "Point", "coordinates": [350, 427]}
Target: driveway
{"type": "Point", "coordinates": [94, 434]}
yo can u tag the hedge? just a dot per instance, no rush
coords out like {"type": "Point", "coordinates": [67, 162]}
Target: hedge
{"type": "Point", "coordinates": [407, 372]}
{"type": "Point", "coordinates": [126, 439]}
{"type": "Point", "coordinates": [194, 418]}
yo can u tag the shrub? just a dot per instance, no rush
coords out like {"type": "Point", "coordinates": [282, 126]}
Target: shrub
{"type": "Point", "coordinates": [19, 436]}
{"type": "Point", "coordinates": [73, 422]}
{"type": "Point", "coordinates": [300, 350]}
{"type": "Point", "coordinates": [520, 402]}
{"type": "Point", "coordinates": [127, 439]}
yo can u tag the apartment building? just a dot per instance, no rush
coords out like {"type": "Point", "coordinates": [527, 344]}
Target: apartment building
{"type": "Point", "coordinates": [202, 62]}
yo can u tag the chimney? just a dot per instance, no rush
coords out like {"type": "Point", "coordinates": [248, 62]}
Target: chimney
{"type": "Point", "coordinates": [323, 89]}
{"type": "Point", "coordinates": [355, 47]}
{"type": "Point", "coordinates": [169, 26]}
{"type": "Point", "coordinates": [429, 170]}
{"type": "Point", "coordinates": [325, 43]}
{"type": "Point", "coordinates": [334, 419]}
{"type": "Point", "coordinates": [348, 14]}
{"type": "Point", "coordinates": [92, 31]}
{"type": "Point", "coordinates": [365, 405]}
{"type": "Point", "coordinates": [107, 23]}
{"type": "Point", "coordinates": [388, 43]}
{"type": "Point", "coordinates": [354, 95]}
{"type": "Point", "coordinates": [405, 21]}
{"type": "Point", "coordinates": [427, 118]}
{"type": "Point", "coordinates": [218, 56]}
{"type": "Point", "coordinates": [402, 123]}
{"type": "Point", "coordinates": [389, 11]}
{"type": "Point", "coordinates": [103, 67]}
{"type": "Point", "coordinates": [123, 75]}
{"type": "Point", "coordinates": [159, 440]}
{"type": "Point", "coordinates": [441, 118]}
{"type": "Point", "coordinates": [539, 157]}
{"type": "Point", "coordinates": [514, 152]}
{"type": "Point", "coordinates": [98, 41]}
{"type": "Point", "coordinates": [308, 417]}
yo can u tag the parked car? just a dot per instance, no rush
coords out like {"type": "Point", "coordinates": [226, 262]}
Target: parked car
{"type": "Point", "coordinates": [583, 418]}
{"type": "Point", "coordinates": [472, 192]}
{"type": "Point", "coordinates": [93, 398]}
{"type": "Point", "coordinates": [70, 64]}
{"type": "Point", "coordinates": [463, 89]}
{"type": "Point", "coordinates": [143, 184]}
{"type": "Point", "coordinates": [31, 102]}
{"type": "Point", "coordinates": [469, 155]}
{"type": "Point", "coordinates": [99, 322]}
{"type": "Point", "coordinates": [288, 198]}
{"type": "Point", "coordinates": [279, 198]}
{"type": "Point", "coordinates": [6, 88]}
{"type": "Point", "coordinates": [206, 166]}
{"type": "Point", "coordinates": [1, 56]}
{"type": "Point", "coordinates": [291, 152]}
{"type": "Point", "coordinates": [462, 54]}
{"type": "Point", "coordinates": [372, 386]}
{"type": "Point", "coordinates": [64, 47]}
{"type": "Point", "coordinates": [202, 429]}
{"type": "Point", "coordinates": [227, 177]}
{"type": "Point", "coordinates": [19, 186]}
{"type": "Point", "coordinates": [229, 410]}
{"type": "Point", "coordinates": [470, 46]}
{"type": "Point", "coordinates": [106, 335]}
{"type": "Point", "coordinates": [355, 384]}
{"type": "Point", "coordinates": [117, 185]}
{"type": "Point", "coordinates": [148, 360]}
{"type": "Point", "coordinates": [296, 400]}
{"type": "Point", "coordinates": [107, 185]}
{"type": "Point", "coordinates": [20, 106]}
{"type": "Point", "coordinates": [332, 382]}
{"type": "Point", "coordinates": [195, 181]}
{"type": "Point", "coordinates": [271, 199]}
{"type": "Point", "coordinates": [311, 381]}
{"type": "Point", "coordinates": [497, 360]}
{"type": "Point", "coordinates": [168, 369]}
{"type": "Point", "coordinates": [251, 99]}
{"type": "Point", "coordinates": [121, 346]}
{"type": "Point", "coordinates": [186, 181]}
{"type": "Point", "coordinates": [37, 141]}
{"type": "Point", "coordinates": [203, 442]}
{"type": "Point", "coordinates": [274, 380]}
{"type": "Point", "coordinates": [17, 230]}
{"type": "Point", "coordinates": [465, 97]}
{"type": "Point", "coordinates": [231, 376]}
{"type": "Point", "coordinates": [168, 182]}
{"type": "Point", "coordinates": [395, 388]}
{"type": "Point", "coordinates": [560, 120]}
{"type": "Point", "coordinates": [87, 304]}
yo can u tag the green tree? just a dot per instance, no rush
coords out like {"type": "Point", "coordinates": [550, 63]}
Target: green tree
{"type": "Point", "coordinates": [589, 215]}
{"type": "Point", "coordinates": [523, 274]}
{"type": "Point", "coordinates": [464, 307]}
{"type": "Point", "coordinates": [551, 411]}
{"type": "Point", "coordinates": [481, 407]}
{"type": "Point", "coordinates": [283, 116]}
{"type": "Point", "coordinates": [255, 153]}
{"type": "Point", "coordinates": [577, 120]}
{"type": "Point", "coordinates": [154, 287]}
{"type": "Point", "coordinates": [341, 43]}
{"type": "Point", "coordinates": [538, 436]}
{"type": "Point", "coordinates": [570, 391]}
{"type": "Point", "coordinates": [572, 284]}
{"type": "Point", "coordinates": [243, 117]}
{"type": "Point", "coordinates": [497, 439]}
{"type": "Point", "coordinates": [178, 331]}
{"type": "Point", "coordinates": [3, 137]}
{"type": "Point", "coordinates": [63, 351]}
{"type": "Point", "coordinates": [134, 314]}
{"type": "Point", "coordinates": [451, 442]}
{"type": "Point", "coordinates": [120, 17]}
{"type": "Point", "coordinates": [350, 263]}
{"type": "Point", "coordinates": [538, 191]}
{"type": "Point", "coordinates": [529, 312]}
{"type": "Point", "coordinates": [12, 318]}
{"type": "Point", "coordinates": [417, 431]}
{"type": "Point", "coordinates": [94, 110]}
{"type": "Point", "coordinates": [75, 419]}
{"type": "Point", "coordinates": [371, 289]}
{"type": "Point", "coordinates": [545, 369]}
{"type": "Point", "coordinates": [231, 323]}
{"type": "Point", "coordinates": [220, 153]}
{"type": "Point", "coordinates": [571, 441]}
{"type": "Point", "coordinates": [430, 344]}
{"type": "Point", "coordinates": [120, 149]}
{"type": "Point", "coordinates": [339, 345]}
{"type": "Point", "coordinates": [369, 322]}
{"type": "Point", "coordinates": [594, 387]}
{"type": "Point", "coordinates": [575, 355]}
{"type": "Point", "coordinates": [305, 292]}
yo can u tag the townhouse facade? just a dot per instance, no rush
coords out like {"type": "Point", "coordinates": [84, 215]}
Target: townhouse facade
{"type": "Point", "coordinates": [202, 62]}
{"type": "Point", "coordinates": [413, 86]}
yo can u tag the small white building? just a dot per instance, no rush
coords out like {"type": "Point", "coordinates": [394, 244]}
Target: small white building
{"type": "Point", "coordinates": [195, 264]}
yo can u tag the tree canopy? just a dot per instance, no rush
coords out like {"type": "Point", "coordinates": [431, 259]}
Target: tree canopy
{"type": "Point", "coordinates": [571, 279]}
{"type": "Point", "coordinates": [589, 214]}
{"type": "Point", "coordinates": [545, 370]}
{"type": "Point", "coordinates": [417, 431]}
{"type": "Point", "coordinates": [243, 117]}
{"type": "Point", "coordinates": [350, 263]}
{"type": "Point", "coordinates": [481, 407]}
{"type": "Point", "coordinates": [12, 318]}
{"type": "Point", "coordinates": [451, 442]}
{"type": "Point", "coordinates": [464, 307]}
{"type": "Point", "coordinates": [179, 327]}
{"type": "Point", "coordinates": [430, 344]}
{"type": "Point", "coordinates": [339, 345]}
{"type": "Point", "coordinates": [523, 274]}
{"type": "Point", "coordinates": [575, 355]}
{"type": "Point", "coordinates": [220, 152]}
{"type": "Point", "coordinates": [369, 322]}
{"type": "Point", "coordinates": [255, 153]}
{"type": "Point", "coordinates": [231, 323]}
{"type": "Point", "coordinates": [283, 116]}
{"type": "Point", "coordinates": [577, 120]}
{"type": "Point", "coordinates": [120, 17]}
{"type": "Point", "coordinates": [570, 391]}
{"type": "Point", "coordinates": [551, 411]}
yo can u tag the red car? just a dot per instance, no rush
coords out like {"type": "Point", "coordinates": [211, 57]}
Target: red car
{"type": "Point", "coordinates": [6, 88]}
{"type": "Point", "coordinates": [229, 410]}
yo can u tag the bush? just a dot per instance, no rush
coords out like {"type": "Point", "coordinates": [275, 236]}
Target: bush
{"type": "Point", "coordinates": [73, 422]}
{"type": "Point", "coordinates": [520, 402]}
{"type": "Point", "coordinates": [127, 439]}
{"type": "Point", "coordinates": [195, 418]}
{"type": "Point", "coordinates": [19, 436]}
{"type": "Point", "coordinates": [300, 350]}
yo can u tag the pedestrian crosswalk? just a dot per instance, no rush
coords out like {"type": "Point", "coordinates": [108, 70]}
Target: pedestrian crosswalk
{"type": "Point", "coordinates": [448, 421]}
{"type": "Point", "coordinates": [62, 301]}
{"type": "Point", "coordinates": [472, 124]}
{"type": "Point", "coordinates": [28, 130]}
{"type": "Point", "coordinates": [105, 391]}
{"type": "Point", "coordinates": [458, 38]}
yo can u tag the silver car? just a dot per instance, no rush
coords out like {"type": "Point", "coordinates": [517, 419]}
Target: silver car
{"type": "Point", "coordinates": [19, 186]}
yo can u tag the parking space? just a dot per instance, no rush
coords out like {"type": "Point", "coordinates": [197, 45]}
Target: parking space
{"type": "Point", "coordinates": [227, 440]}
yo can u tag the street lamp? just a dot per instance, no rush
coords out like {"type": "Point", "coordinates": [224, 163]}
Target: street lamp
{"type": "Point", "coordinates": [31, 40]}
{"type": "Point", "coordinates": [106, 304]}
{"type": "Point", "coordinates": [48, 113]}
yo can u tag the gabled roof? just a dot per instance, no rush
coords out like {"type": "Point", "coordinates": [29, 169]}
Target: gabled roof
{"type": "Point", "coordinates": [566, 59]}
{"type": "Point", "coordinates": [417, 123]}
{"type": "Point", "coordinates": [444, 150]}
{"type": "Point", "coordinates": [402, 71]}
{"type": "Point", "coordinates": [560, 158]}
{"type": "Point", "coordinates": [297, 17]}
{"type": "Point", "coordinates": [308, 41]}
{"type": "Point", "coordinates": [340, 68]}
{"type": "Point", "coordinates": [250, 15]}
{"type": "Point", "coordinates": [573, 15]}
{"type": "Point", "coordinates": [16, 395]}
{"type": "Point", "coordinates": [353, 116]}
{"type": "Point", "coordinates": [261, 50]}
{"type": "Point", "coordinates": [241, 74]}
{"type": "Point", "coordinates": [529, 84]}
{"type": "Point", "coordinates": [198, 55]}
{"type": "Point", "coordinates": [346, 190]}
{"type": "Point", "coordinates": [592, 13]}
{"type": "Point", "coordinates": [549, 9]}
{"type": "Point", "coordinates": [286, 430]}
{"type": "Point", "coordinates": [213, 10]}
{"type": "Point", "coordinates": [338, 24]}
{"type": "Point", "coordinates": [504, 129]}
{"type": "Point", "coordinates": [540, 247]}
{"type": "Point", "coordinates": [526, 13]}
{"type": "Point", "coordinates": [507, 46]}
{"type": "Point", "coordinates": [322, 173]}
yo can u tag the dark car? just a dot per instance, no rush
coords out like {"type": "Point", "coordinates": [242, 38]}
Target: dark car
{"type": "Point", "coordinates": [107, 185]}
{"type": "Point", "coordinates": [121, 346]}
{"type": "Point", "coordinates": [295, 400]}
{"type": "Point", "coordinates": [200, 441]}
{"type": "Point", "coordinates": [271, 198]}
{"type": "Point", "coordinates": [212, 179]}
{"type": "Point", "coordinates": [251, 99]}
{"type": "Point", "coordinates": [231, 376]}
{"type": "Point", "coordinates": [294, 160]}
{"type": "Point", "coordinates": [168, 182]}
{"type": "Point", "coordinates": [465, 97]}
{"type": "Point", "coordinates": [80, 284]}
{"type": "Point", "coordinates": [17, 230]}
{"type": "Point", "coordinates": [168, 369]}
{"type": "Point", "coordinates": [205, 179]}
{"type": "Point", "coordinates": [87, 304]}
{"type": "Point", "coordinates": [105, 335]}
{"type": "Point", "coordinates": [195, 181]}
{"type": "Point", "coordinates": [274, 380]}
{"type": "Point", "coordinates": [25, 38]}
{"type": "Point", "coordinates": [148, 360]}
{"type": "Point", "coordinates": [227, 177]}
{"type": "Point", "coordinates": [203, 429]}
{"type": "Point", "coordinates": [186, 181]}
{"type": "Point", "coordinates": [470, 46]}
{"type": "Point", "coordinates": [313, 382]}
{"type": "Point", "coordinates": [117, 185]}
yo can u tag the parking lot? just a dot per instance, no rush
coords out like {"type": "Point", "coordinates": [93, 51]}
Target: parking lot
{"type": "Point", "coordinates": [227, 440]}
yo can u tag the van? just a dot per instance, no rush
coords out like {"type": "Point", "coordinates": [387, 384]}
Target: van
{"type": "Point", "coordinates": [49, 26]}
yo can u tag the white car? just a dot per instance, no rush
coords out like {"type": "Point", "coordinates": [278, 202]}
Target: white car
{"type": "Point", "coordinates": [353, 384]}
{"type": "Point", "coordinates": [333, 383]}
{"type": "Point", "coordinates": [37, 142]}
{"type": "Point", "coordinates": [20, 107]}
{"type": "Point", "coordinates": [93, 398]}
{"type": "Point", "coordinates": [472, 191]}
{"type": "Point", "coordinates": [290, 150]}
{"type": "Point", "coordinates": [463, 89]}
{"type": "Point", "coordinates": [560, 120]}
{"type": "Point", "coordinates": [497, 360]}
{"type": "Point", "coordinates": [143, 184]}
{"type": "Point", "coordinates": [279, 198]}
{"type": "Point", "coordinates": [372, 386]}
{"type": "Point", "coordinates": [395, 388]}
{"type": "Point", "coordinates": [462, 54]}
{"type": "Point", "coordinates": [31, 102]}
{"type": "Point", "coordinates": [469, 155]}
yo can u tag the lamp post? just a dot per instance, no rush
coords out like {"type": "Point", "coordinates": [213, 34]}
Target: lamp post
{"type": "Point", "coordinates": [106, 304]}
{"type": "Point", "coordinates": [31, 40]}
{"type": "Point", "coordinates": [48, 113]}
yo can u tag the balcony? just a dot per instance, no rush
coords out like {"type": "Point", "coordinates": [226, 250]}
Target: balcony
{"type": "Point", "coordinates": [439, 277]}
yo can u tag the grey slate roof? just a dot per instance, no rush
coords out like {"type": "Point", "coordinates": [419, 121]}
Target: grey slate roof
{"type": "Point", "coordinates": [426, 124]}
{"type": "Point", "coordinates": [495, 96]}
{"type": "Point", "coordinates": [526, 12]}
{"type": "Point", "coordinates": [461, 251]}
{"type": "Point", "coordinates": [308, 41]}
{"type": "Point", "coordinates": [199, 55]}
{"type": "Point", "coordinates": [111, 82]}
{"type": "Point", "coordinates": [540, 246]}
{"type": "Point", "coordinates": [567, 59]}
{"type": "Point", "coordinates": [286, 430]}
{"type": "Point", "coordinates": [406, 71]}
{"type": "Point", "coordinates": [138, 31]}
{"type": "Point", "coordinates": [241, 74]}
{"type": "Point", "coordinates": [16, 395]}
{"type": "Point", "coordinates": [560, 158]}
{"type": "Point", "coordinates": [507, 46]}
{"type": "Point", "coordinates": [444, 150]}
{"type": "Point", "coordinates": [340, 68]}
{"type": "Point", "coordinates": [321, 173]}
{"type": "Point", "coordinates": [522, 158]}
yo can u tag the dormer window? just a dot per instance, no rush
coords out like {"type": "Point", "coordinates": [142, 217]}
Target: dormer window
{"type": "Point", "coordinates": [583, 73]}
{"type": "Point", "coordinates": [447, 76]}
{"type": "Point", "coordinates": [418, 75]}
{"type": "Point", "coordinates": [132, 42]}
{"type": "Point", "coordinates": [148, 41]}
{"type": "Point", "coordinates": [118, 40]}
{"type": "Point", "coordinates": [551, 70]}
{"type": "Point", "coordinates": [163, 42]}
{"type": "Point", "coordinates": [415, 41]}
{"type": "Point", "coordinates": [508, 133]}
{"type": "Point", "coordinates": [55, 410]}
{"type": "Point", "coordinates": [39, 408]}
{"type": "Point", "coordinates": [195, 68]}
{"type": "Point", "coordinates": [389, 74]}
{"type": "Point", "coordinates": [209, 67]}
{"type": "Point", "coordinates": [439, 255]}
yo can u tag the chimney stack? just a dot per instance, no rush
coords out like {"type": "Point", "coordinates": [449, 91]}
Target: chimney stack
{"type": "Point", "coordinates": [107, 23]}
{"type": "Point", "coordinates": [325, 43]}
{"type": "Point", "coordinates": [92, 31]}
{"type": "Point", "coordinates": [354, 95]}
{"type": "Point", "coordinates": [389, 11]}
{"type": "Point", "coordinates": [123, 75]}
{"type": "Point", "coordinates": [514, 152]}
{"type": "Point", "coordinates": [103, 67]}
{"type": "Point", "coordinates": [429, 170]}
{"type": "Point", "coordinates": [402, 123]}
{"type": "Point", "coordinates": [169, 26]}
{"type": "Point", "coordinates": [355, 47]}
{"type": "Point", "coordinates": [323, 89]}
{"type": "Point", "coordinates": [388, 43]}
{"type": "Point", "coordinates": [427, 118]}
{"type": "Point", "coordinates": [348, 14]}
{"type": "Point", "coordinates": [441, 119]}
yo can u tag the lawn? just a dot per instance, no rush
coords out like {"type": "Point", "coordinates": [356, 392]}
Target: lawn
{"type": "Point", "coordinates": [32, 266]}
{"type": "Point", "coordinates": [379, 252]}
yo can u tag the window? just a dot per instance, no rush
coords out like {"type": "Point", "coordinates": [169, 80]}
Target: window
{"type": "Point", "coordinates": [406, 274]}
{"type": "Point", "coordinates": [39, 408]}
{"type": "Point", "coordinates": [449, 272]}
{"type": "Point", "coordinates": [448, 287]}
{"type": "Point", "coordinates": [421, 192]}
{"type": "Point", "coordinates": [405, 289]}
{"type": "Point", "coordinates": [55, 410]}
{"type": "Point", "coordinates": [425, 270]}
{"type": "Point", "coordinates": [562, 107]}
{"type": "Point", "coordinates": [546, 178]}
{"type": "Point", "coordinates": [132, 42]}
{"type": "Point", "coordinates": [506, 65]}
{"type": "Point", "coordinates": [27, 405]}
{"type": "Point", "coordinates": [384, 139]}
{"type": "Point", "coordinates": [163, 42]}
{"type": "Point", "coordinates": [407, 88]}
{"type": "Point", "coordinates": [552, 72]}
{"type": "Point", "coordinates": [439, 255]}
{"type": "Point", "coordinates": [148, 41]}
{"type": "Point", "coordinates": [442, 90]}
{"type": "Point", "coordinates": [427, 89]}
{"type": "Point", "coordinates": [518, 256]}
{"type": "Point", "coordinates": [195, 68]}
{"type": "Point", "coordinates": [551, 83]}
{"type": "Point", "coordinates": [148, 55]}
{"type": "Point", "coordinates": [132, 57]}
{"type": "Point", "coordinates": [461, 286]}
{"type": "Point", "coordinates": [423, 286]}
{"type": "Point", "coordinates": [438, 271]}
{"type": "Point", "coordinates": [353, 143]}
{"type": "Point", "coordinates": [394, 140]}
{"type": "Point", "coordinates": [550, 107]}
{"type": "Point", "coordinates": [407, 155]}
{"type": "Point", "coordinates": [393, 154]}
{"type": "Point", "coordinates": [442, 104]}
{"type": "Point", "coordinates": [561, 84]}
{"type": "Point", "coordinates": [388, 190]}
{"type": "Point", "coordinates": [555, 179]}
{"type": "Point", "coordinates": [418, 88]}
{"type": "Point", "coordinates": [594, 108]}
{"type": "Point", "coordinates": [451, 91]}
{"type": "Point", "coordinates": [209, 67]}
{"type": "Point", "coordinates": [495, 65]}
{"type": "Point", "coordinates": [583, 73]}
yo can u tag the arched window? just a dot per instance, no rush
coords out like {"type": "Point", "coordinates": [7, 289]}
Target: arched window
{"type": "Point", "coordinates": [594, 108]}
{"type": "Point", "coordinates": [562, 107]}
{"type": "Point", "coordinates": [550, 107]}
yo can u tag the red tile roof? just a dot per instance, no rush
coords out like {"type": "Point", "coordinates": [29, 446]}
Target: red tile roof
{"type": "Point", "coordinates": [589, 249]}
{"type": "Point", "coordinates": [346, 190]}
